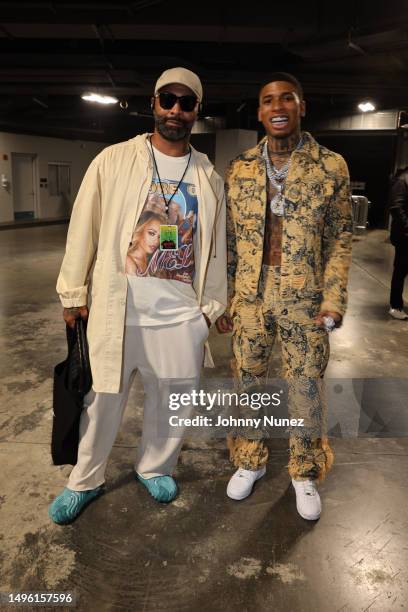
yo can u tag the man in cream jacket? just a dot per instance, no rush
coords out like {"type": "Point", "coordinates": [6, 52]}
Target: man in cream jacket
{"type": "Point", "coordinates": [146, 258]}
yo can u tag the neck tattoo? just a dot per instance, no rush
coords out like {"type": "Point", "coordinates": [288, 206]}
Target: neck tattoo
{"type": "Point", "coordinates": [279, 147]}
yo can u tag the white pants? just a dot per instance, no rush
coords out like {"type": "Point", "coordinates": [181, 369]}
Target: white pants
{"type": "Point", "coordinates": [167, 357]}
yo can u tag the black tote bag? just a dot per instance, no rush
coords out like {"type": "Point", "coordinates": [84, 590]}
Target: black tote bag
{"type": "Point", "coordinates": [72, 381]}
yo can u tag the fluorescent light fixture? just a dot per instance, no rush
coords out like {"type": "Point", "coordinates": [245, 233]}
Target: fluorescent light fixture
{"type": "Point", "coordinates": [365, 107]}
{"type": "Point", "coordinates": [100, 99]}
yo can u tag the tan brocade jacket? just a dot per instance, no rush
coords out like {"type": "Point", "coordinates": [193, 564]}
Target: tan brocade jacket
{"type": "Point", "coordinates": [317, 226]}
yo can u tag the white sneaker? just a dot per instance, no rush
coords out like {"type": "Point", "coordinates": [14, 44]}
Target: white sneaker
{"type": "Point", "coordinates": [308, 502]}
{"type": "Point", "coordinates": [242, 482]}
{"type": "Point", "coordinates": [398, 314]}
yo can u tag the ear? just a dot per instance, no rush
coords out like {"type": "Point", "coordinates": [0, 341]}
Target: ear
{"type": "Point", "coordinates": [259, 114]}
{"type": "Point", "coordinates": [152, 99]}
{"type": "Point", "coordinates": [303, 108]}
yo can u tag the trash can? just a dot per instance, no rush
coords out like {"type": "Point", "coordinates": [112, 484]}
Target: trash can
{"type": "Point", "coordinates": [360, 213]}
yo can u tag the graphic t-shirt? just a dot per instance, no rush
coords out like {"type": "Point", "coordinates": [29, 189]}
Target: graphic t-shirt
{"type": "Point", "coordinates": [160, 260]}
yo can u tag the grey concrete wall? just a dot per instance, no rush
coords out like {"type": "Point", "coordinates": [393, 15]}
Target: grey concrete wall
{"type": "Point", "coordinates": [229, 144]}
{"type": "Point", "coordinates": [77, 153]}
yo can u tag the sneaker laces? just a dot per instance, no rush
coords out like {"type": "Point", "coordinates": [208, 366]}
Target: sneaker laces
{"type": "Point", "coordinates": [242, 473]}
{"type": "Point", "coordinates": [309, 488]}
{"type": "Point", "coordinates": [247, 474]}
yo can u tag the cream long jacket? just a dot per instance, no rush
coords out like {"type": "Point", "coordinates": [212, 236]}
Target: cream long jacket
{"type": "Point", "coordinates": [109, 203]}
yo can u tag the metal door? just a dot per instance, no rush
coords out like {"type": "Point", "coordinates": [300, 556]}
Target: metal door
{"type": "Point", "coordinates": [23, 185]}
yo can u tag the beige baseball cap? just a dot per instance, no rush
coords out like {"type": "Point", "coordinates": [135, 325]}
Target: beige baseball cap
{"type": "Point", "coordinates": [181, 76]}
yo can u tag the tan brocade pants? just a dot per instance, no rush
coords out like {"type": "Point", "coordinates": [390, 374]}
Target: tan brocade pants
{"type": "Point", "coordinates": [305, 353]}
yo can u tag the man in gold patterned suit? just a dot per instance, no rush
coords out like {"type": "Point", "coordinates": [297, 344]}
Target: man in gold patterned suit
{"type": "Point", "coordinates": [289, 250]}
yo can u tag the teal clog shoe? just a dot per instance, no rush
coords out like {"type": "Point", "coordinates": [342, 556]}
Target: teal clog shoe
{"type": "Point", "coordinates": [69, 504]}
{"type": "Point", "coordinates": [162, 488]}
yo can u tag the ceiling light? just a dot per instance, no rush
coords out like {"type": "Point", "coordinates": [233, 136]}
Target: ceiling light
{"type": "Point", "coordinates": [365, 107]}
{"type": "Point", "coordinates": [100, 99]}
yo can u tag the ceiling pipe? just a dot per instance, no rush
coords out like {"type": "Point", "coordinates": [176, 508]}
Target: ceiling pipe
{"type": "Point", "coordinates": [354, 46]}
{"type": "Point", "coordinates": [40, 102]}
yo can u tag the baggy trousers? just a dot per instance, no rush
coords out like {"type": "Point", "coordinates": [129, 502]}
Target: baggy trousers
{"type": "Point", "coordinates": [305, 353]}
{"type": "Point", "coordinates": [169, 358]}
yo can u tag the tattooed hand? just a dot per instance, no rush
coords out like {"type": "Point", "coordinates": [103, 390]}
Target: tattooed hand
{"type": "Point", "coordinates": [224, 324]}
{"type": "Point", "coordinates": [328, 313]}
{"type": "Point", "coordinates": [70, 314]}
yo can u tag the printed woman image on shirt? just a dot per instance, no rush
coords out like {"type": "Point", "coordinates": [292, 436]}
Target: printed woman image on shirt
{"type": "Point", "coordinates": [146, 257]}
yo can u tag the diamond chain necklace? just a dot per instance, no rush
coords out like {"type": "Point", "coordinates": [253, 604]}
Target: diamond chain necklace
{"type": "Point", "coordinates": [278, 178]}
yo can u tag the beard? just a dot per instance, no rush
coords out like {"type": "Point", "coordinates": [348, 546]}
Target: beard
{"type": "Point", "coordinates": [172, 133]}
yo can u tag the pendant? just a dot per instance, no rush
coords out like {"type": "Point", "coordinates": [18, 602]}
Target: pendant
{"type": "Point", "coordinates": [277, 204]}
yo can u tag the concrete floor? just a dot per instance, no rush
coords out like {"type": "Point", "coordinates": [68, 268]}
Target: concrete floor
{"type": "Point", "coordinates": [202, 552]}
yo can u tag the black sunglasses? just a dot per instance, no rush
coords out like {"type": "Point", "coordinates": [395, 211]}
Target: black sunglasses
{"type": "Point", "coordinates": [168, 100]}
